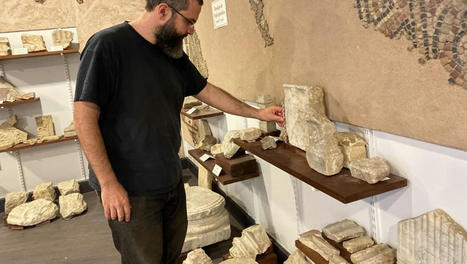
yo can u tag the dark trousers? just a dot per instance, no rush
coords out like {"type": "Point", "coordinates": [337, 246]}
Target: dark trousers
{"type": "Point", "coordinates": [156, 231]}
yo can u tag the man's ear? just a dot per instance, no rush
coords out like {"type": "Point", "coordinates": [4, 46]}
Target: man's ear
{"type": "Point", "coordinates": [162, 12]}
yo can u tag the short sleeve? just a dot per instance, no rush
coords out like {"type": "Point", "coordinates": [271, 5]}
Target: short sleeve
{"type": "Point", "coordinates": [195, 81]}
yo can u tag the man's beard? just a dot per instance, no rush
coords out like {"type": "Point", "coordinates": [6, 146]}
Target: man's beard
{"type": "Point", "coordinates": [169, 40]}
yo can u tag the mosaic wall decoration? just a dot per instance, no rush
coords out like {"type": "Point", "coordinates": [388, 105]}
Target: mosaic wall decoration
{"type": "Point", "coordinates": [436, 28]}
{"type": "Point", "coordinates": [192, 48]}
{"type": "Point", "coordinates": [257, 7]}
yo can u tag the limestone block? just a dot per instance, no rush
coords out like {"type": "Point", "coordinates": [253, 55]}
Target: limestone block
{"type": "Point", "coordinates": [6, 145]}
{"type": "Point", "coordinates": [433, 237]}
{"type": "Point", "coordinates": [12, 136]}
{"type": "Point", "coordinates": [190, 102]}
{"type": "Point", "coordinates": [71, 204]}
{"type": "Point", "coordinates": [45, 126]}
{"type": "Point", "coordinates": [8, 92]}
{"type": "Point", "coordinates": [203, 129]}
{"type": "Point", "coordinates": [268, 143]}
{"type": "Point", "coordinates": [62, 38]}
{"type": "Point", "coordinates": [197, 256]}
{"type": "Point", "coordinates": [33, 42]}
{"type": "Point", "coordinates": [33, 213]}
{"type": "Point", "coordinates": [239, 261]}
{"type": "Point", "coordinates": [216, 149]}
{"type": "Point", "coordinates": [267, 126]}
{"type": "Point", "coordinates": [14, 199]}
{"type": "Point", "coordinates": [315, 241]}
{"type": "Point", "coordinates": [26, 96]}
{"type": "Point", "coordinates": [250, 133]}
{"type": "Point", "coordinates": [357, 244]}
{"type": "Point", "coordinates": [228, 146]}
{"type": "Point", "coordinates": [70, 130]}
{"type": "Point", "coordinates": [337, 260]}
{"type": "Point", "coordinates": [352, 146]}
{"type": "Point", "coordinates": [297, 257]}
{"type": "Point", "coordinates": [343, 230]}
{"type": "Point", "coordinates": [377, 254]}
{"type": "Point", "coordinates": [206, 143]}
{"type": "Point", "coordinates": [4, 47]}
{"type": "Point", "coordinates": [67, 187]}
{"type": "Point", "coordinates": [44, 191]}
{"type": "Point", "coordinates": [254, 241]}
{"type": "Point", "coordinates": [325, 157]}
{"type": "Point", "coordinates": [370, 170]}
{"type": "Point", "coordinates": [202, 107]}
{"type": "Point", "coordinates": [204, 178]}
{"type": "Point", "coordinates": [48, 138]}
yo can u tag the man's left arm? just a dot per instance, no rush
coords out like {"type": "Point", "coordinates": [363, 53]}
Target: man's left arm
{"type": "Point", "coordinates": [222, 100]}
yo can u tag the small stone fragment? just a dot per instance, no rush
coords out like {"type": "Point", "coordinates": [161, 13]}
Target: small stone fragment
{"type": "Point", "coordinates": [370, 170]}
{"type": "Point", "coordinates": [337, 260]}
{"type": "Point", "coordinates": [380, 253]}
{"type": "Point", "coordinates": [203, 129]}
{"type": "Point", "coordinates": [216, 149]}
{"type": "Point", "coordinates": [4, 47]}
{"type": "Point", "coordinates": [357, 244]}
{"type": "Point", "coordinates": [62, 38]}
{"type": "Point", "coordinates": [49, 138]}
{"type": "Point", "coordinates": [325, 157]}
{"type": "Point", "coordinates": [67, 187]}
{"type": "Point", "coordinates": [315, 241]}
{"type": "Point", "coordinates": [32, 213]}
{"type": "Point", "coordinates": [343, 230]}
{"type": "Point", "coordinates": [14, 199]}
{"type": "Point", "coordinates": [239, 261]}
{"type": "Point", "coordinates": [33, 42]}
{"type": "Point", "coordinates": [70, 130]}
{"type": "Point", "coordinates": [228, 146]}
{"type": "Point", "coordinates": [268, 143]}
{"type": "Point", "coordinates": [44, 191]}
{"type": "Point", "coordinates": [9, 93]}
{"type": "Point", "coordinates": [45, 126]}
{"type": "Point", "coordinates": [206, 143]}
{"type": "Point", "coordinates": [250, 134]}
{"type": "Point", "coordinates": [190, 102]}
{"type": "Point", "coordinates": [352, 146]}
{"type": "Point", "coordinates": [71, 205]}
{"type": "Point", "coordinates": [197, 256]}
{"type": "Point", "coordinates": [297, 257]}
{"type": "Point", "coordinates": [254, 241]}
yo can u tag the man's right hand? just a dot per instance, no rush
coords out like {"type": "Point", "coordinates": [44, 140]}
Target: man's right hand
{"type": "Point", "coordinates": [115, 202]}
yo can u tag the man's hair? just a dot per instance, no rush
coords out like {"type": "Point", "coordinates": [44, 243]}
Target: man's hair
{"type": "Point", "coordinates": [177, 4]}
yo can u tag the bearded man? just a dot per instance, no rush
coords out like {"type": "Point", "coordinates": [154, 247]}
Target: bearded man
{"type": "Point", "coordinates": [130, 88]}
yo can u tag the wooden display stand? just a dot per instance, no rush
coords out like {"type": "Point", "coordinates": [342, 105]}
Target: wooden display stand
{"type": "Point", "coordinates": [239, 165]}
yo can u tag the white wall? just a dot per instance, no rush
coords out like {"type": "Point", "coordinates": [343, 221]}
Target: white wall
{"type": "Point", "coordinates": [286, 206]}
{"type": "Point", "coordinates": [52, 78]}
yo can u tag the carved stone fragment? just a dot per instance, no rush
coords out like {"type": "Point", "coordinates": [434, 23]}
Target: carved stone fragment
{"type": "Point", "coordinates": [197, 256]}
{"type": "Point", "coordinates": [70, 130]}
{"type": "Point", "coordinates": [45, 126]}
{"type": "Point", "coordinates": [33, 213]}
{"type": "Point", "coordinates": [315, 241]}
{"type": "Point", "coordinates": [14, 199]}
{"type": "Point", "coordinates": [71, 204]}
{"type": "Point", "coordinates": [204, 178]}
{"type": "Point", "coordinates": [228, 146]}
{"type": "Point", "coordinates": [33, 42]}
{"type": "Point", "coordinates": [67, 187]}
{"type": "Point", "coordinates": [357, 244]}
{"type": "Point", "coordinates": [9, 135]}
{"type": "Point", "coordinates": [250, 134]}
{"type": "Point", "coordinates": [8, 92]}
{"type": "Point", "coordinates": [193, 50]}
{"type": "Point", "coordinates": [48, 138]}
{"type": "Point", "coordinates": [337, 260]}
{"type": "Point", "coordinates": [343, 230]}
{"type": "Point", "coordinates": [4, 47]}
{"type": "Point", "coordinates": [297, 257]}
{"type": "Point", "coordinates": [254, 241]}
{"type": "Point", "coordinates": [325, 157]}
{"type": "Point", "coordinates": [257, 7]}
{"type": "Point", "coordinates": [352, 146]}
{"type": "Point", "coordinates": [370, 170]}
{"type": "Point", "coordinates": [216, 149]}
{"type": "Point", "coordinates": [62, 38]}
{"type": "Point", "coordinates": [190, 102]}
{"type": "Point", "coordinates": [380, 253]}
{"type": "Point", "coordinates": [268, 143]}
{"type": "Point", "coordinates": [433, 237]}
{"type": "Point", "coordinates": [206, 143]}
{"type": "Point", "coordinates": [239, 261]}
{"type": "Point", "coordinates": [44, 191]}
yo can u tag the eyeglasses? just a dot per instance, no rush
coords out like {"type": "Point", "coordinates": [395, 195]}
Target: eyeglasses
{"type": "Point", "coordinates": [190, 22]}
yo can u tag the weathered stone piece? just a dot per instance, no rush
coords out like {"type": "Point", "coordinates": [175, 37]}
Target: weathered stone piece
{"type": "Point", "coordinates": [33, 42]}
{"type": "Point", "coordinates": [228, 146]}
{"type": "Point", "coordinates": [268, 143]}
{"type": "Point", "coordinates": [44, 191]}
{"type": "Point", "coordinates": [71, 204]}
{"type": "Point", "coordinates": [62, 38]}
{"type": "Point", "coordinates": [32, 213]}
{"type": "Point", "coordinates": [190, 102]}
{"type": "Point", "coordinates": [433, 237]}
{"type": "Point", "coordinates": [254, 241]}
{"type": "Point", "coordinates": [14, 199]}
{"type": "Point", "coordinates": [206, 143]}
{"type": "Point", "coordinates": [204, 178]}
{"type": "Point", "coordinates": [315, 241]}
{"type": "Point", "coordinates": [359, 243]}
{"type": "Point", "coordinates": [70, 130]}
{"type": "Point", "coordinates": [337, 260]}
{"type": "Point", "coordinates": [197, 256]}
{"type": "Point", "coordinates": [297, 257]}
{"type": "Point", "coordinates": [8, 92]}
{"type": "Point", "coordinates": [194, 52]}
{"type": "Point", "coordinates": [239, 261]}
{"type": "Point", "coordinates": [67, 187]}
{"type": "Point", "coordinates": [370, 170]}
{"type": "Point", "coordinates": [216, 149]}
{"type": "Point", "coordinates": [4, 47]}
{"type": "Point", "coordinates": [208, 220]}
{"type": "Point", "coordinates": [45, 126]}
{"type": "Point", "coordinates": [352, 146]}
{"type": "Point", "coordinates": [257, 7]}
{"type": "Point", "coordinates": [343, 230]}
{"type": "Point", "coordinates": [250, 134]}
{"type": "Point", "coordinates": [380, 253]}
{"type": "Point", "coordinates": [9, 135]}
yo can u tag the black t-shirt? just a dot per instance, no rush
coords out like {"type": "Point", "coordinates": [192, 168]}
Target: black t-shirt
{"type": "Point", "coordinates": [140, 92]}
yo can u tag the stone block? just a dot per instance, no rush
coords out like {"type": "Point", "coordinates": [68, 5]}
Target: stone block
{"type": "Point", "coordinates": [14, 199]}
{"type": "Point", "coordinates": [359, 243]}
{"type": "Point", "coordinates": [337, 260]}
{"type": "Point", "coordinates": [297, 257]}
{"type": "Point", "coordinates": [380, 253]}
{"type": "Point", "coordinates": [254, 241]}
{"type": "Point", "coordinates": [62, 38]}
{"type": "Point", "coordinates": [239, 261]}
{"type": "Point", "coordinates": [216, 149]}
{"type": "Point", "coordinates": [370, 170]}
{"type": "Point", "coordinates": [250, 134]}
{"type": "Point", "coordinates": [352, 145]}
{"type": "Point", "coordinates": [315, 241]}
{"type": "Point", "coordinates": [206, 143]}
{"type": "Point", "coordinates": [228, 146]}
{"type": "Point", "coordinates": [71, 204]}
{"type": "Point", "coordinates": [45, 126]}
{"type": "Point", "coordinates": [343, 230]}
{"type": "Point", "coordinates": [67, 187]}
{"type": "Point", "coordinates": [44, 191]}
{"type": "Point", "coordinates": [325, 157]}
{"type": "Point", "coordinates": [33, 213]}
{"type": "Point", "coordinates": [204, 178]}
{"type": "Point", "coordinates": [5, 49]}
{"type": "Point", "coordinates": [197, 256]}
{"type": "Point", "coordinates": [191, 102]}
{"type": "Point", "coordinates": [33, 42]}
{"type": "Point", "coordinates": [70, 130]}
{"type": "Point", "coordinates": [268, 143]}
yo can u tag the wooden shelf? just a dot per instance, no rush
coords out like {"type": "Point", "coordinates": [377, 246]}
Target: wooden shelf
{"type": "Point", "coordinates": [341, 186]}
{"type": "Point", "coordinates": [310, 253]}
{"type": "Point", "coordinates": [224, 178]}
{"type": "Point", "coordinates": [25, 146]}
{"type": "Point", "coordinates": [198, 114]}
{"type": "Point", "coordinates": [74, 48]}
{"type": "Point", "coordinates": [18, 102]}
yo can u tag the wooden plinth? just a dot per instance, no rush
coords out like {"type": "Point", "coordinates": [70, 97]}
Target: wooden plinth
{"type": "Point", "coordinates": [238, 166]}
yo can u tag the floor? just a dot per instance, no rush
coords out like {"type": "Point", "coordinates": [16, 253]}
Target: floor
{"type": "Point", "coordinates": [83, 239]}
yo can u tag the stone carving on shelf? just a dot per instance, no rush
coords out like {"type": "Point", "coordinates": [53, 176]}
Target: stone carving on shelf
{"type": "Point", "coordinates": [9, 93]}
{"type": "Point", "coordinates": [207, 142]}
{"type": "Point", "coordinates": [216, 149]}
{"type": "Point", "coordinates": [315, 241]}
{"type": "Point", "coordinates": [71, 204]}
{"type": "Point", "coordinates": [297, 257]}
{"type": "Point", "coordinates": [257, 7]}
{"type": "Point", "coordinates": [194, 52]}
{"type": "Point", "coordinates": [370, 170]}
{"type": "Point", "coordinates": [33, 213]}
{"type": "Point", "coordinates": [352, 145]}
{"type": "Point", "coordinates": [427, 238]}
{"type": "Point", "coordinates": [67, 187]}
{"type": "Point", "coordinates": [268, 143]}
{"type": "Point", "coordinates": [208, 220]}
{"type": "Point", "coordinates": [265, 101]}
{"type": "Point", "coordinates": [10, 135]}
{"type": "Point", "coordinates": [62, 38]}
{"type": "Point", "coordinates": [45, 126]}
{"type": "Point", "coordinates": [190, 102]}
{"type": "Point", "coordinates": [197, 256]}
{"type": "Point", "coordinates": [359, 243]}
{"type": "Point", "coordinates": [380, 253]}
{"type": "Point", "coordinates": [343, 230]}
{"type": "Point", "coordinates": [44, 191]}
{"type": "Point", "coordinates": [254, 241]}
{"type": "Point", "coordinates": [14, 199]}
{"type": "Point", "coordinates": [250, 134]}
{"type": "Point", "coordinates": [204, 178]}
{"type": "Point", "coordinates": [228, 146]}
{"type": "Point", "coordinates": [5, 49]}
{"type": "Point", "coordinates": [239, 261]}
{"type": "Point", "coordinates": [337, 260]}
{"type": "Point", "coordinates": [70, 130]}
{"type": "Point", "coordinates": [33, 43]}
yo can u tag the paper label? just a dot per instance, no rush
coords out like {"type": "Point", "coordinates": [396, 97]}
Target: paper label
{"type": "Point", "coordinates": [19, 51]}
{"type": "Point", "coordinates": [56, 48]}
{"type": "Point", "coordinates": [385, 179]}
{"type": "Point", "coordinates": [191, 111]}
{"type": "Point", "coordinates": [219, 13]}
{"type": "Point", "coordinates": [206, 157]}
{"type": "Point", "coordinates": [217, 170]}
